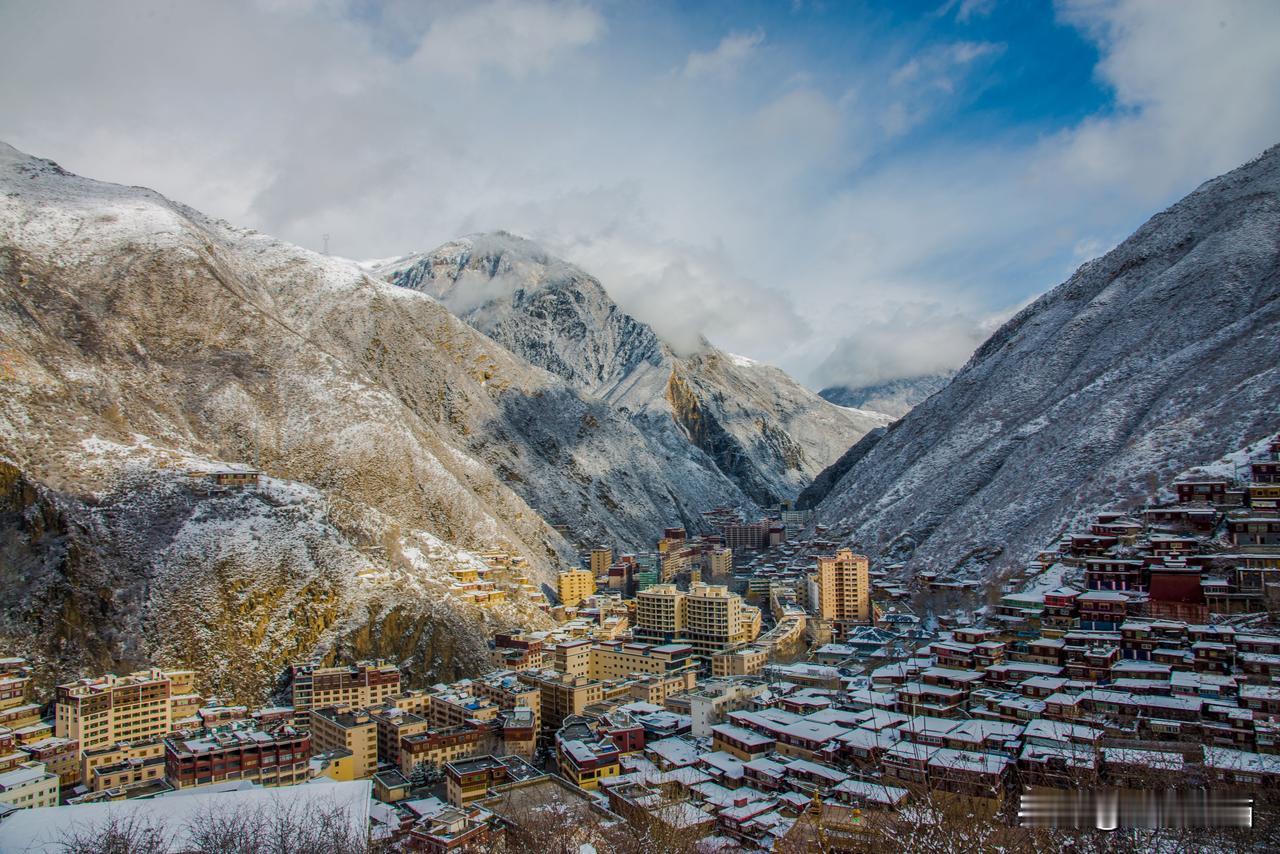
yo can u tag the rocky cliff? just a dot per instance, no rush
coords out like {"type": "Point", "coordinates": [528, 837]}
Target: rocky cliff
{"type": "Point", "coordinates": [141, 340]}
{"type": "Point", "coordinates": [730, 424]}
{"type": "Point", "coordinates": [1158, 356]}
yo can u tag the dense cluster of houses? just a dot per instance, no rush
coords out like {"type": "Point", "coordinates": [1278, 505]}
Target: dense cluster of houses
{"type": "Point", "coordinates": [1140, 650]}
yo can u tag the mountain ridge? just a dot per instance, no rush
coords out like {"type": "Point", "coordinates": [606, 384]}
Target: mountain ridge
{"type": "Point", "coordinates": [751, 422]}
{"type": "Point", "coordinates": [1153, 358]}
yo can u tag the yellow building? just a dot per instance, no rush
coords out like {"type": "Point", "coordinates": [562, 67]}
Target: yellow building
{"type": "Point", "coordinates": [364, 684]}
{"type": "Point", "coordinates": [15, 683]}
{"type": "Point", "coordinates": [844, 587]}
{"type": "Point", "coordinates": [747, 661]}
{"type": "Point", "coordinates": [720, 562]}
{"type": "Point", "coordinates": [144, 752]}
{"type": "Point", "coordinates": [660, 613]}
{"type": "Point", "coordinates": [339, 765]}
{"type": "Point", "coordinates": [572, 658]}
{"type": "Point", "coordinates": [60, 756]}
{"type": "Point", "coordinates": [126, 774]}
{"type": "Point", "coordinates": [560, 695]}
{"type": "Point", "coordinates": [601, 560]}
{"type": "Point", "coordinates": [507, 692]}
{"type": "Point", "coordinates": [657, 688]}
{"type": "Point", "coordinates": [708, 617]}
{"type": "Point", "coordinates": [618, 660]}
{"type": "Point", "coordinates": [352, 730]}
{"type": "Point", "coordinates": [28, 786]}
{"type": "Point", "coordinates": [574, 585]}
{"type": "Point", "coordinates": [107, 709]}
{"type": "Point", "coordinates": [716, 619]}
{"type": "Point", "coordinates": [455, 706]}
{"type": "Point", "coordinates": [394, 724]}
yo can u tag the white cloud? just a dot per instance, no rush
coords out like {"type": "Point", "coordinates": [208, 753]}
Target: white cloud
{"type": "Point", "coordinates": [910, 339]}
{"type": "Point", "coordinates": [726, 59]}
{"type": "Point", "coordinates": [929, 81]}
{"type": "Point", "coordinates": [518, 36]}
{"type": "Point", "coordinates": [1194, 83]}
{"type": "Point", "coordinates": [774, 212]}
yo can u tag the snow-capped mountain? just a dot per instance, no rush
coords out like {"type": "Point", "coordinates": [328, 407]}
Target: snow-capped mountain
{"type": "Point", "coordinates": [751, 422]}
{"type": "Point", "coordinates": [1157, 357]}
{"type": "Point", "coordinates": [141, 340]}
{"type": "Point", "coordinates": [894, 397]}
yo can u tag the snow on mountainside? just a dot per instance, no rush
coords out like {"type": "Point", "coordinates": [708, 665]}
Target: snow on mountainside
{"type": "Point", "coordinates": [739, 420]}
{"type": "Point", "coordinates": [140, 339]}
{"type": "Point", "coordinates": [895, 397]}
{"type": "Point", "coordinates": [1148, 361]}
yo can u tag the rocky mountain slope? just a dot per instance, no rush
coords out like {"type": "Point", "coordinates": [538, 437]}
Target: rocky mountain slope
{"type": "Point", "coordinates": [1157, 357]}
{"type": "Point", "coordinates": [895, 397]}
{"type": "Point", "coordinates": [737, 419]}
{"type": "Point", "coordinates": [140, 340]}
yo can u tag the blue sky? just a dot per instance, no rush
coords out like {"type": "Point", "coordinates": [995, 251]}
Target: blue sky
{"type": "Point", "coordinates": [854, 191]}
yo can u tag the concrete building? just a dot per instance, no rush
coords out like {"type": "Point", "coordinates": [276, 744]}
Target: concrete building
{"type": "Point", "coordinates": [843, 585]}
{"type": "Point", "coordinates": [562, 695]}
{"type": "Point", "coordinates": [364, 684]}
{"type": "Point", "coordinates": [278, 758]}
{"type": "Point", "coordinates": [709, 705]}
{"type": "Point", "coordinates": [572, 658]}
{"type": "Point", "coordinates": [29, 785]}
{"type": "Point", "coordinates": [104, 710]}
{"type": "Point", "coordinates": [601, 560]}
{"type": "Point", "coordinates": [393, 725]}
{"type": "Point", "coordinates": [709, 618]}
{"type": "Point", "coordinates": [574, 585]}
{"type": "Point", "coordinates": [508, 692]}
{"type": "Point", "coordinates": [745, 661]}
{"type": "Point", "coordinates": [469, 780]}
{"type": "Point", "coordinates": [660, 614]}
{"type": "Point", "coordinates": [617, 660]}
{"type": "Point", "coordinates": [352, 730]}
{"type": "Point", "coordinates": [716, 619]}
{"type": "Point", "coordinates": [116, 755]}
{"type": "Point", "coordinates": [60, 756]}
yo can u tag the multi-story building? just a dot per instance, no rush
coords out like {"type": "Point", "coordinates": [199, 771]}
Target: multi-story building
{"type": "Point", "coordinates": [15, 682]}
{"type": "Point", "coordinates": [709, 618]}
{"type": "Point", "coordinates": [601, 560]}
{"type": "Point", "coordinates": [437, 747]}
{"type": "Point", "coordinates": [364, 684]}
{"type": "Point", "coordinates": [560, 695]}
{"type": "Point", "coordinates": [572, 658]}
{"type": "Point", "coordinates": [29, 785]}
{"type": "Point", "coordinates": [585, 757]}
{"type": "Point", "coordinates": [574, 585]}
{"type": "Point", "coordinates": [843, 585]}
{"type": "Point", "coordinates": [352, 730]}
{"type": "Point", "coordinates": [122, 764]}
{"type": "Point", "coordinates": [746, 661]}
{"type": "Point", "coordinates": [507, 692]}
{"type": "Point", "coordinates": [60, 756]}
{"type": "Point", "coordinates": [456, 705]}
{"type": "Point", "coordinates": [660, 614]}
{"type": "Point", "coordinates": [393, 725]}
{"type": "Point", "coordinates": [469, 780]}
{"type": "Point", "coordinates": [517, 652]}
{"type": "Point", "coordinates": [716, 619]}
{"type": "Point", "coordinates": [107, 709]}
{"type": "Point", "coordinates": [616, 660]}
{"type": "Point", "coordinates": [277, 758]}
{"type": "Point", "coordinates": [719, 562]}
